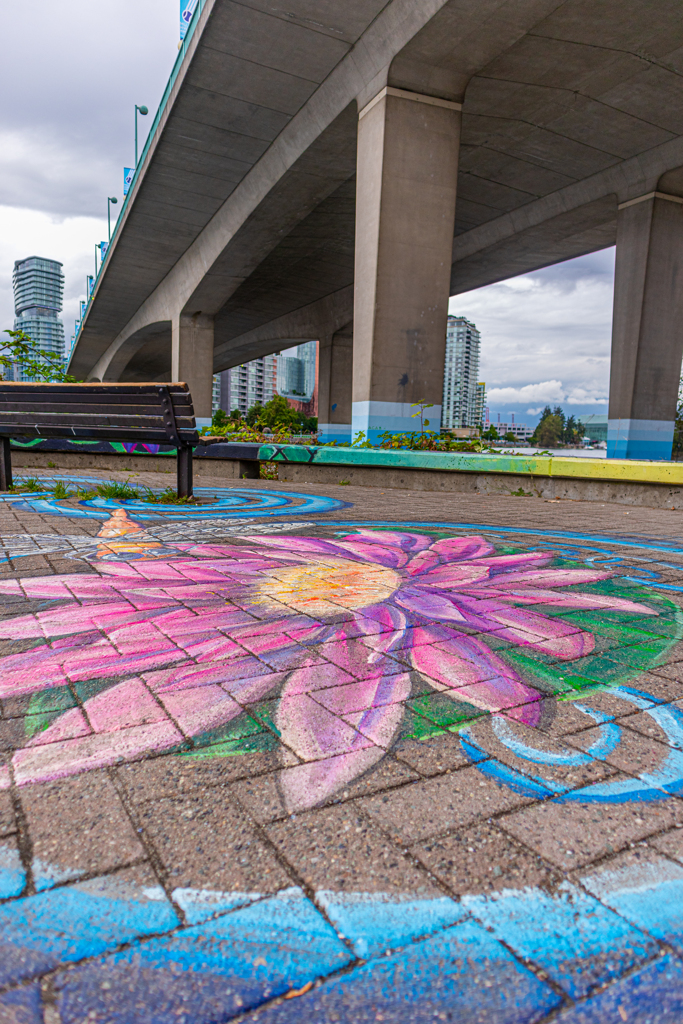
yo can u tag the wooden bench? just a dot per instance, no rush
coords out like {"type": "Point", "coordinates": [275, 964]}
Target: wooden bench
{"type": "Point", "coordinates": [152, 413]}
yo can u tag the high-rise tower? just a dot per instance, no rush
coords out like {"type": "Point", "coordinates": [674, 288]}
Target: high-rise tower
{"type": "Point", "coordinates": [461, 370]}
{"type": "Point", "coordinates": [38, 292]}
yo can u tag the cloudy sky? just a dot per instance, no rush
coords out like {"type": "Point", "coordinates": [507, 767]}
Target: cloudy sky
{"type": "Point", "coordinates": [70, 82]}
{"type": "Point", "coordinates": [545, 338]}
{"type": "Point", "coordinates": [66, 131]}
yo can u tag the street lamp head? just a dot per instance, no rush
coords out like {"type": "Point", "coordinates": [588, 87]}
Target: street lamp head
{"type": "Point", "coordinates": [143, 110]}
{"type": "Point", "coordinates": [113, 199]}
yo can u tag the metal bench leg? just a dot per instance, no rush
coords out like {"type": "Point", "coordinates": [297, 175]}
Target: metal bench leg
{"type": "Point", "coordinates": [5, 464]}
{"type": "Point", "coordinates": [185, 472]}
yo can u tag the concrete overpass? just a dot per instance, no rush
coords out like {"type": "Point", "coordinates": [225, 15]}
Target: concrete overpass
{"type": "Point", "coordinates": [335, 170]}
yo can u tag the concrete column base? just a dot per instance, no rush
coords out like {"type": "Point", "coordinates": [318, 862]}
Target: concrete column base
{"type": "Point", "coordinates": [339, 432]}
{"type": "Point", "coordinates": [639, 439]}
{"type": "Point", "coordinates": [375, 418]}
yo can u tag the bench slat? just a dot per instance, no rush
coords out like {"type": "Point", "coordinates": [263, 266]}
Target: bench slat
{"type": "Point", "coordinates": [38, 409]}
{"type": "Point", "coordinates": [58, 419]}
{"type": "Point", "coordinates": [109, 388]}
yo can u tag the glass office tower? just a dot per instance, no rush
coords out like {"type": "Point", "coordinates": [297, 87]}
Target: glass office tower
{"type": "Point", "coordinates": [38, 292]}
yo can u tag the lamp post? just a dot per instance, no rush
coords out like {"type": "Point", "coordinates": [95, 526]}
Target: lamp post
{"type": "Point", "coordinates": [144, 111]}
{"type": "Point", "coordinates": [110, 200]}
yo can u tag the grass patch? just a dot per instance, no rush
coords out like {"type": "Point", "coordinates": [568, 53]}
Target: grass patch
{"type": "Point", "coordinates": [61, 490]}
{"type": "Point", "coordinates": [166, 497]}
{"type": "Point", "coordinates": [31, 485]}
{"type": "Point", "coordinates": [117, 490]}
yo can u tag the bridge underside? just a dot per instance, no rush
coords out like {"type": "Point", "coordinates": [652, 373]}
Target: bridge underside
{"type": "Point", "coordinates": [297, 158]}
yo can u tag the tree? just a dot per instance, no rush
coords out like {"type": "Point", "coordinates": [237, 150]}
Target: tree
{"type": "Point", "coordinates": [254, 414]}
{"type": "Point", "coordinates": [278, 415]}
{"type": "Point", "coordinates": [220, 418]}
{"type": "Point", "coordinates": [39, 364]}
{"type": "Point", "coordinates": [491, 434]}
{"type": "Point", "coordinates": [554, 428]}
{"type": "Point", "coordinates": [677, 448]}
{"type": "Point", "coordinates": [510, 436]}
{"type": "Point", "coordinates": [549, 432]}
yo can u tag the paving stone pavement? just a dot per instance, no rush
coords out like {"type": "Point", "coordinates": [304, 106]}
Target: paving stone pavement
{"type": "Point", "coordinates": [305, 753]}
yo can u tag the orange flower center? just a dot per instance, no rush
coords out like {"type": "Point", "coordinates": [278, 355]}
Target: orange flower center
{"type": "Point", "coordinates": [324, 587]}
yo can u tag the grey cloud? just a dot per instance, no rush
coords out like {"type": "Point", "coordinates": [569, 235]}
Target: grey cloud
{"type": "Point", "coordinates": [73, 77]}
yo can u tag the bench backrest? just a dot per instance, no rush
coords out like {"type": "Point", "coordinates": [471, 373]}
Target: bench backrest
{"type": "Point", "coordinates": [116, 412]}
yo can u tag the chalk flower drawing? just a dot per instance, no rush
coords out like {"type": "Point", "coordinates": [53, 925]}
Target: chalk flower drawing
{"type": "Point", "coordinates": [171, 647]}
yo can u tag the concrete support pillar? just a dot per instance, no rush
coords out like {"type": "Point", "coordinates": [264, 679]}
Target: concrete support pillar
{"type": "Point", "coordinates": [405, 210]}
{"type": "Point", "coordinates": [335, 370]}
{"type": "Point", "coordinates": [192, 361]}
{"type": "Point", "coordinates": [647, 328]}
{"type": "Point", "coordinates": [226, 397]}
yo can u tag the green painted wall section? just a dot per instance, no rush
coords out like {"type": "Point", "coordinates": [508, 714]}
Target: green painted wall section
{"type": "Point", "coordinates": [623, 470]}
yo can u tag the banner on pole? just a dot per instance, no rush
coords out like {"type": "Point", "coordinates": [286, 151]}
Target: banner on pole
{"type": "Point", "coordinates": [103, 250]}
{"type": "Point", "coordinates": [128, 173]}
{"type": "Point", "coordinates": [187, 8]}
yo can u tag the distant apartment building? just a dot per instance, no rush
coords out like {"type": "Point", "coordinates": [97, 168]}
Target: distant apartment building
{"type": "Point", "coordinates": [463, 401]}
{"type": "Point", "coordinates": [38, 295]}
{"type": "Point", "coordinates": [252, 383]}
{"type": "Point", "coordinates": [520, 430]}
{"type": "Point", "coordinates": [291, 373]}
{"type": "Point", "coordinates": [480, 404]}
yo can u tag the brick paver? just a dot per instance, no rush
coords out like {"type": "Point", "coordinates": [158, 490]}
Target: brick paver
{"type": "Point", "coordinates": [395, 757]}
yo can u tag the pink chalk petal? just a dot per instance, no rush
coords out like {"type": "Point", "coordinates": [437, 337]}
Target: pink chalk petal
{"type": "Point", "coordinates": [235, 675]}
{"type": "Point", "coordinates": [12, 587]}
{"type": "Point", "coordinates": [68, 726]}
{"type": "Point", "coordinates": [454, 549]}
{"type": "Point", "coordinates": [411, 542]}
{"type": "Point", "coordinates": [454, 577]}
{"type": "Point", "coordinates": [422, 563]}
{"type": "Point", "coordinates": [376, 554]}
{"type": "Point", "coordinates": [380, 721]}
{"type": "Point", "coordinates": [312, 732]}
{"type": "Point", "coordinates": [31, 672]}
{"type": "Point", "coordinates": [316, 677]}
{"type": "Point", "coordinates": [300, 547]}
{"type": "Point", "coordinates": [70, 757]}
{"type": "Point", "coordinates": [122, 706]}
{"type": "Point", "coordinates": [429, 605]}
{"type": "Point", "coordinates": [550, 635]}
{"type": "Point", "coordinates": [499, 564]}
{"type": "Point", "coordinates": [468, 670]}
{"type": "Point", "coordinates": [576, 600]}
{"type": "Point", "coordinates": [306, 785]}
{"type": "Point", "coordinates": [23, 627]}
{"type": "Point", "coordinates": [546, 578]}
{"type": "Point", "coordinates": [201, 709]}
{"type": "Point", "coordinates": [365, 695]}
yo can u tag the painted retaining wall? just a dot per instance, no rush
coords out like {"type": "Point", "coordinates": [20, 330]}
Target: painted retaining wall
{"type": "Point", "coordinates": [624, 481]}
